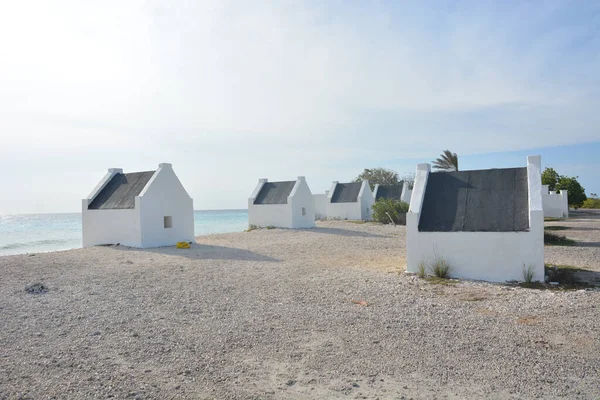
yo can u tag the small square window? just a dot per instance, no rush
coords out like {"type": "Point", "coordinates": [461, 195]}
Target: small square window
{"type": "Point", "coordinates": [303, 211]}
{"type": "Point", "coordinates": [168, 222]}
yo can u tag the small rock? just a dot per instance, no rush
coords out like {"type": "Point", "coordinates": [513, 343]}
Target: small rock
{"type": "Point", "coordinates": [36, 288]}
{"type": "Point", "coordinates": [290, 382]}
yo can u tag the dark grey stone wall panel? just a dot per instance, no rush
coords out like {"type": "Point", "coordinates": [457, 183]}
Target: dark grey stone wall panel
{"type": "Point", "coordinates": [494, 200]}
{"type": "Point", "coordinates": [120, 192]}
{"type": "Point", "coordinates": [275, 193]}
{"type": "Point", "coordinates": [393, 192]}
{"type": "Point", "coordinates": [346, 192]}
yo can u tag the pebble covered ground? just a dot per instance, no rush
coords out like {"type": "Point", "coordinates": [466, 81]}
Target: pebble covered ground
{"type": "Point", "coordinates": [320, 313]}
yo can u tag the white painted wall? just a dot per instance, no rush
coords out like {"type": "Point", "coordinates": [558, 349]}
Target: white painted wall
{"type": "Point", "coordinates": [110, 226]}
{"type": "Point", "coordinates": [284, 215]}
{"type": "Point", "coordinates": [489, 256]}
{"type": "Point", "coordinates": [406, 193]}
{"type": "Point", "coordinates": [301, 197]}
{"type": "Point", "coordinates": [320, 201]}
{"type": "Point", "coordinates": [556, 205]}
{"type": "Point", "coordinates": [262, 215]}
{"type": "Point", "coordinates": [350, 211]}
{"type": "Point", "coordinates": [366, 200]}
{"type": "Point", "coordinates": [142, 226]}
{"type": "Point", "coordinates": [164, 195]}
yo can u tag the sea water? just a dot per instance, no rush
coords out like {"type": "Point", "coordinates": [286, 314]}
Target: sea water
{"type": "Point", "coordinates": [35, 233]}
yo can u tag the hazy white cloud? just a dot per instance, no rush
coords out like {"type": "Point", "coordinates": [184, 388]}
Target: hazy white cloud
{"type": "Point", "coordinates": [231, 91]}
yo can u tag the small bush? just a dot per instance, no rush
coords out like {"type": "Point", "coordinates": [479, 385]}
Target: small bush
{"type": "Point", "coordinates": [552, 219]}
{"type": "Point", "coordinates": [553, 239]}
{"type": "Point", "coordinates": [251, 228]}
{"type": "Point", "coordinates": [440, 268]}
{"type": "Point", "coordinates": [591, 203]}
{"type": "Point", "coordinates": [270, 227]}
{"type": "Point", "coordinates": [528, 273]}
{"type": "Point", "coordinates": [421, 271]}
{"type": "Point", "coordinates": [396, 209]}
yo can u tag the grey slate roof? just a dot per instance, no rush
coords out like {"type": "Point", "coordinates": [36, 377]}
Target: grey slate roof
{"type": "Point", "coordinates": [494, 200]}
{"type": "Point", "coordinates": [346, 192]}
{"type": "Point", "coordinates": [120, 192]}
{"type": "Point", "coordinates": [389, 191]}
{"type": "Point", "coordinates": [275, 192]}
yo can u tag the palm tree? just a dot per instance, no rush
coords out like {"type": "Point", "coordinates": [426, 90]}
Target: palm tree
{"type": "Point", "coordinates": [447, 161]}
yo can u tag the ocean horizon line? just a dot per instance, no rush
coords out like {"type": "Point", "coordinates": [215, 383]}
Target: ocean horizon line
{"type": "Point", "coordinates": [79, 212]}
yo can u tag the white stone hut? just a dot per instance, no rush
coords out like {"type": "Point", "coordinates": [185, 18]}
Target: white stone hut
{"type": "Point", "coordinates": [556, 205]}
{"type": "Point", "coordinates": [350, 201]}
{"type": "Point", "coordinates": [287, 204]}
{"type": "Point", "coordinates": [400, 192]}
{"type": "Point", "coordinates": [138, 209]}
{"type": "Point", "coordinates": [487, 224]}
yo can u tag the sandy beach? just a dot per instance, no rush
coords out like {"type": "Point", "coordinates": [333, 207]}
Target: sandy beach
{"type": "Point", "coordinates": [319, 313]}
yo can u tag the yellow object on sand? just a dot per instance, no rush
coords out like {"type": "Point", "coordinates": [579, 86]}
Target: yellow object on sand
{"type": "Point", "coordinates": [183, 245]}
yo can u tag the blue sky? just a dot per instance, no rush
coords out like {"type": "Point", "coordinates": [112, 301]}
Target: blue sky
{"type": "Point", "coordinates": [230, 91]}
{"type": "Point", "coordinates": [579, 160]}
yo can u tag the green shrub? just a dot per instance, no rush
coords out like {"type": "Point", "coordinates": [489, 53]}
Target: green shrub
{"type": "Point", "coordinates": [591, 203]}
{"type": "Point", "coordinates": [528, 273]}
{"type": "Point", "coordinates": [440, 268]}
{"type": "Point", "coordinates": [421, 271]}
{"type": "Point", "coordinates": [394, 208]}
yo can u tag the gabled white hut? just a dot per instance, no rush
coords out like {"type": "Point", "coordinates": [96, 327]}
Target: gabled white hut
{"type": "Point", "coordinates": [138, 209]}
{"type": "Point", "coordinates": [487, 224]}
{"type": "Point", "coordinates": [556, 205]}
{"type": "Point", "coordinates": [351, 200]}
{"type": "Point", "coordinates": [400, 192]}
{"type": "Point", "coordinates": [287, 204]}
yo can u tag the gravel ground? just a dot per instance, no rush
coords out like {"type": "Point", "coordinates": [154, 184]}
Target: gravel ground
{"type": "Point", "coordinates": [321, 313]}
{"type": "Point", "coordinates": [584, 228]}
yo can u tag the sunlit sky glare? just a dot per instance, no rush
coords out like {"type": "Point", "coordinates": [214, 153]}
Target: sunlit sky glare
{"type": "Point", "coordinates": [232, 91]}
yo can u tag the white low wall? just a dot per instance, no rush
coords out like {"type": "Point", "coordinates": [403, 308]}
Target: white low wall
{"type": "Point", "coordinates": [263, 215]}
{"type": "Point", "coordinates": [556, 205]}
{"type": "Point", "coordinates": [344, 211]}
{"type": "Point", "coordinates": [111, 227]}
{"type": "Point", "coordinates": [320, 201]}
{"type": "Point", "coordinates": [487, 256]}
